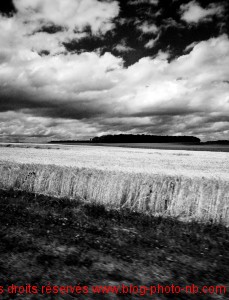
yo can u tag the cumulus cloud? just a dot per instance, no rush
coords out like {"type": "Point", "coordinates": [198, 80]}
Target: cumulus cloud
{"type": "Point", "coordinates": [59, 84]}
{"type": "Point", "coordinates": [192, 12]}
{"type": "Point", "coordinates": [45, 25]}
{"type": "Point", "coordinates": [192, 82]}
{"type": "Point", "coordinates": [94, 88]}
{"type": "Point", "coordinates": [46, 91]}
{"type": "Point", "coordinates": [72, 14]}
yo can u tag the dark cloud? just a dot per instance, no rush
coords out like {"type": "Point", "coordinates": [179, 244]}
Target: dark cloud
{"type": "Point", "coordinates": [51, 29]}
{"type": "Point", "coordinates": [65, 109]}
{"type": "Point", "coordinates": [44, 52]}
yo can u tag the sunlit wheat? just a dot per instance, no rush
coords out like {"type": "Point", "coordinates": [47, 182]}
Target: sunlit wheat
{"type": "Point", "coordinates": [199, 198]}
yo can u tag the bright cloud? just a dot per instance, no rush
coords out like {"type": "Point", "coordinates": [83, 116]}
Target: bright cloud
{"type": "Point", "coordinates": [73, 14]}
{"type": "Point", "coordinates": [192, 12]}
{"type": "Point", "coordinates": [147, 28]}
{"type": "Point", "coordinates": [26, 31]}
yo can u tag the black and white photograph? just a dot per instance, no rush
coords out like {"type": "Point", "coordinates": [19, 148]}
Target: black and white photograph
{"type": "Point", "coordinates": [114, 149]}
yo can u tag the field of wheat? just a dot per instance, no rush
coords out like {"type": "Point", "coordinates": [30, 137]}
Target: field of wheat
{"type": "Point", "coordinates": [184, 184]}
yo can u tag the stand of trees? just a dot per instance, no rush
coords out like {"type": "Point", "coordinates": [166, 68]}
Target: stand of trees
{"type": "Point", "coordinates": [142, 138]}
{"type": "Point", "coordinates": [130, 138]}
{"type": "Point", "coordinates": [218, 142]}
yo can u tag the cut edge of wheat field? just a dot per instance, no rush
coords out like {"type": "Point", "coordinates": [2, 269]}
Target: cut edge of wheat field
{"type": "Point", "coordinates": [195, 198]}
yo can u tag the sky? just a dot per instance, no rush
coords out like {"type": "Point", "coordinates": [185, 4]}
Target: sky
{"type": "Point", "coordinates": [75, 69]}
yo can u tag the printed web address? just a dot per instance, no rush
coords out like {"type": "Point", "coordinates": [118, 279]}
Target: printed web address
{"type": "Point", "coordinates": [159, 289]}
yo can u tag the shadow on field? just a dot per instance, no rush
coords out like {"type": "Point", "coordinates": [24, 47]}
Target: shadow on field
{"type": "Point", "coordinates": [65, 242]}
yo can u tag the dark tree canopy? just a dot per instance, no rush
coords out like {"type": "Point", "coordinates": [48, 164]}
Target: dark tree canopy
{"type": "Point", "coordinates": [130, 138]}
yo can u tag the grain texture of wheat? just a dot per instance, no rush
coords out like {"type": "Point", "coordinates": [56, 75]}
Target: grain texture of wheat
{"type": "Point", "coordinates": [188, 198]}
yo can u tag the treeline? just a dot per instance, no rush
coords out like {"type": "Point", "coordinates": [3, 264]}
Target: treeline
{"type": "Point", "coordinates": [131, 138]}
{"type": "Point", "coordinates": [142, 138]}
{"type": "Point", "coordinates": [218, 142]}
{"type": "Point", "coordinates": [69, 142]}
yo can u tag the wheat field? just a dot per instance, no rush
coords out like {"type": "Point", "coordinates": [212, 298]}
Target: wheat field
{"type": "Point", "coordinates": [183, 184]}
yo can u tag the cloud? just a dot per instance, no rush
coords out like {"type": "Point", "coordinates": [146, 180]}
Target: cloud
{"type": "Point", "coordinates": [46, 25]}
{"type": "Point", "coordinates": [137, 2]}
{"type": "Point", "coordinates": [147, 28]}
{"type": "Point", "coordinates": [64, 85]}
{"type": "Point", "coordinates": [72, 14]}
{"type": "Point", "coordinates": [170, 22]}
{"type": "Point", "coordinates": [192, 12]}
{"type": "Point", "coordinates": [122, 47]}
{"type": "Point", "coordinates": [151, 43]}
{"type": "Point", "coordinates": [19, 126]}
{"type": "Point", "coordinates": [97, 92]}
